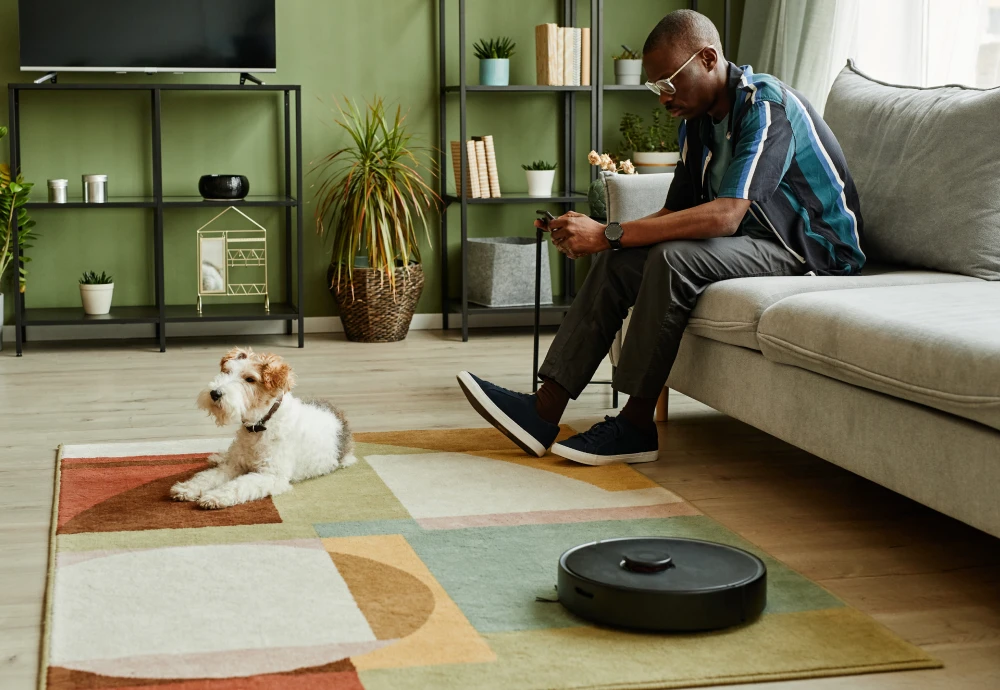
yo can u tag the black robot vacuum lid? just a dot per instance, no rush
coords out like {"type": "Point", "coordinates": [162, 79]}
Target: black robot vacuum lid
{"type": "Point", "coordinates": [662, 583]}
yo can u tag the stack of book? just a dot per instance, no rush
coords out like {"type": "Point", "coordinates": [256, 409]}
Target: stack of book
{"type": "Point", "coordinates": [562, 55]}
{"type": "Point", "coordinates": [481, 181]}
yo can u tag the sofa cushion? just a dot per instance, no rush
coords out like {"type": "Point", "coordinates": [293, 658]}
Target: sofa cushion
{"type": "Point", "coordinates": [927, 171]}
{"type": "Point", "coordinates": [729, 311]}
{"type": "Point", "coordinates": [938, 345]}
{"type": "Point", "coordinates": [631, 197]}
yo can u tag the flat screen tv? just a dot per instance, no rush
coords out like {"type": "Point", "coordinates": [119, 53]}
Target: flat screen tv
{"type": "Point", "coordinates": [147, 35]}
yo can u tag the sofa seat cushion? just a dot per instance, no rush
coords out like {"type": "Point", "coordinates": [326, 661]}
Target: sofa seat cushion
{"type": "Point", "coordinates": [730, 310]}
{"type": "Point", "coordinates": [937, 345]}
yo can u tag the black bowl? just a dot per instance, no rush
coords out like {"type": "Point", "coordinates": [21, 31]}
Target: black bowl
{"type": "Point", "coordinates": [223, 187]}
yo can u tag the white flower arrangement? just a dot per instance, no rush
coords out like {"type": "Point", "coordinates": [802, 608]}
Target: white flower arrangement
{"type": "Point", "coordinates": [608, 164]}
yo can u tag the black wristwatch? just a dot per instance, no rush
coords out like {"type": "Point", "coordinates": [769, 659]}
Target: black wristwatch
{"type": "Point", "coordinates": [613, 232]}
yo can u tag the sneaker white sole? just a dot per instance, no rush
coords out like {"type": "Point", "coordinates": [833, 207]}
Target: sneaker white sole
{"type": "Point", "coordinates": [497, 417]}
{"type": "Point", "coordinates": [598, 460]}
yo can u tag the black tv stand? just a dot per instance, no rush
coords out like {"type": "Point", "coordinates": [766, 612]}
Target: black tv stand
{"type": "Point", "coordinates": [246, 76]}
{"type": "Point", "coordinates": [51, 76]}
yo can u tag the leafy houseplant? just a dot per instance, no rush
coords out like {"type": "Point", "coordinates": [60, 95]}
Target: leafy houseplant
{"type": "Point", "coordinates": [494, 60]}
{"type": "Point", "coordinates": [541, 175]}
{"type": "Point", "coordinates": [628, 67]}
{"type": "Point", "coordinates": [371, 198]}
{"type": "Point", "coordinates": [96, 292]}
{"type": "Point", "coordinates": [653, 147]}
{"type": "Point", "coordinates": [14, 193]}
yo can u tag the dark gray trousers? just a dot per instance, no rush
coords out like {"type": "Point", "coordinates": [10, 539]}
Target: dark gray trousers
{"type": "Point", "coordinates": [661, 284]}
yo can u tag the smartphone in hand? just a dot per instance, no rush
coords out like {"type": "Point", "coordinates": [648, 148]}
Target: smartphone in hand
{"type": "Point", "coordinates": [545, 217]}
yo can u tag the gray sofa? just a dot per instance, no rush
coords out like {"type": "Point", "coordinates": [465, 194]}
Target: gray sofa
{"type": "Point", "coordinates": [893, 374]}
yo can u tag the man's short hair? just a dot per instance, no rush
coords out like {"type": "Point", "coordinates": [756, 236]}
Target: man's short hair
{"type": "Point", "coordinates": [688, 28]}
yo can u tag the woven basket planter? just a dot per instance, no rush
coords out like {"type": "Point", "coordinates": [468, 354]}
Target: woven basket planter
{"type": "Point", "coordinates": [373, 314]}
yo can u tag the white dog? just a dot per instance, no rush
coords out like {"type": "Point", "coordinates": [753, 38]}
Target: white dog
{"type": "Point", "coordinates": [282, 439]}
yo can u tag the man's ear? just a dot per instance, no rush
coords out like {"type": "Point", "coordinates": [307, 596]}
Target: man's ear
{"type": "Point", "coordinates": [235, 353]}
{"type": "Point", "coordinates": [275, 373]}
{"type": "Point", "coordinates": [710, 58]}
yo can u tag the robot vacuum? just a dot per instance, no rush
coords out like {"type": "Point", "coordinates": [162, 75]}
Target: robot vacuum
{"type": "Point", "coordinates": [662, 584]}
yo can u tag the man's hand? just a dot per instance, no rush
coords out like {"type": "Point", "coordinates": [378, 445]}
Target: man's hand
{"type": "Point", "coordinates": [576, 235]}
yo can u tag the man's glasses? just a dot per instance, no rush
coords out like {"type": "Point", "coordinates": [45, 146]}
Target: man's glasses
{"type": "Point", "coordinates": [667, 85]}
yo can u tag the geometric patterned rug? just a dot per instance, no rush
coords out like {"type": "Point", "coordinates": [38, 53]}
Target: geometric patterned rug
{"type": "Point", "coordinates": [418, 567]}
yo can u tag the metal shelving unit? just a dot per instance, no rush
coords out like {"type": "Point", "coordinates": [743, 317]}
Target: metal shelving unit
{"type": "Point", "coordinates": [569, 196]}
{"type": "Point", "coordinates": [161, 313]}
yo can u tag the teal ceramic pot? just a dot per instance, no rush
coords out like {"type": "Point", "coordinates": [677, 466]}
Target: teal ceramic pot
{"type": "Point", "coordinates": [494, 72]}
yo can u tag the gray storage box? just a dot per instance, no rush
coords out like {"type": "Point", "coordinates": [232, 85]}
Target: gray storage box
{"type": "Point", "coordinates": [502, 272]}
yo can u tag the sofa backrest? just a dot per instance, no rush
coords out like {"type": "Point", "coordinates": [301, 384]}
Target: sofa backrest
{"type": "Point", "coordinates": [926, 163]}
{"type": "Point", "coordinates": [631, 197]}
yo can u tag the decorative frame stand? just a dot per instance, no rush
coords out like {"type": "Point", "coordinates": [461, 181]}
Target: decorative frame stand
{"type": "Point", "coordinates": [222, 250]}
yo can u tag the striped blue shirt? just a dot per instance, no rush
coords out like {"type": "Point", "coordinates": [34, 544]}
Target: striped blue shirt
{"type": "Point", "coordinates": [788, 164]}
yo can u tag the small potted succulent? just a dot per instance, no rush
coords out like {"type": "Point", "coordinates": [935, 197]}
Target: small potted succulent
{"type": "Point", "coordinates": [540, 174]}
{"type": "Point", "coordinates": [628, 67]}
{"type": "Point", "coordinates": [654, 147]}
{"type": "Point", "coordinates": [494, 60]}
{"type": "Point", "coordinates": [597, 195]}
{"type": "Point", "coordinates": [96, 291]}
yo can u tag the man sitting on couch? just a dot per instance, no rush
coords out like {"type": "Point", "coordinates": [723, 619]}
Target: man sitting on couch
{"type": "Point", "coordinates": [762, 189]}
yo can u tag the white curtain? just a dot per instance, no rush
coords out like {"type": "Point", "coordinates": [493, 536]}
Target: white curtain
{"type": "Point", "coordinates": [913, 42]}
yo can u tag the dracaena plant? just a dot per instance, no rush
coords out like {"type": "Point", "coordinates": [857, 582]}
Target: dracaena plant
{"type": "Point", "coordinates": [373, 194]}
{"type": "Point", "coordinates": [14, 193]}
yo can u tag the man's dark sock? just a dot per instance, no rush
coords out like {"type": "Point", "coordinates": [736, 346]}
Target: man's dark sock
{"type": "Point", "coordinates": [550, 401]}
{"type": "Point", "coordinates": [639, 413]}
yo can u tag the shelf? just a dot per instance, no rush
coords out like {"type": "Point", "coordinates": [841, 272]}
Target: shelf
{"type": "Point", "coordinates": [518, 88]}
{"type": "Point", "coordinates": [112, 202]}
{"type": "Point", "coordinates": [522, 198]}
{"type": "Point", "coordinates": [253, 311]}
{"type": "Point", "coordinates": [628, 87]}
{"type": "Point", "coordinates": [110, 86]}
{"type": "Point", "coordinates": [197, 201]}
{"type": "Point", "coordinates": [559, 304]}
{"type": "Point", "coordinates": [63, 315]}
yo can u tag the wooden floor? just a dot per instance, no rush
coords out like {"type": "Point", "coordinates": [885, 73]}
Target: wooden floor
{"type": "Point", "coordinates": [931, 579]}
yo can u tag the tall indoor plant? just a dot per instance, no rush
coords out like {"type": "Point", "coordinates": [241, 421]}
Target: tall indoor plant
{"type": "Point", "coordinates": [14, 192]}
{"type": "Point", "coordinates": [371, 198]}
{"type": "Point", "coordinates": [653, 147]}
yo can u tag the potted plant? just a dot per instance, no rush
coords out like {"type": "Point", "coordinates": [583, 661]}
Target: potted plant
{"type": "Point", "coordinates": [653, 148]}
{"type": "Point", "coordinates": [540, 174]}
{"type": "Point", "coordinates": [494, 60]}
{"type": "Point", "coordinates": [14, 193]}
{"type": "Point", "coordinates": [370, 201]}
{"type": "Point", "coordinates": [628, 67]}
{"type": "Point", "coordinates": [96, 292]}
{"type": "Point", "coordinates": [597, 194]}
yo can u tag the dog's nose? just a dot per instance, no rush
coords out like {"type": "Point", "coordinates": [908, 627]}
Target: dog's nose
{"type": "Point", "coordinates": [216, 395]}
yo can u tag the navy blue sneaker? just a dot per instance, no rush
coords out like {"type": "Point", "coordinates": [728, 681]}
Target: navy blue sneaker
{"type": "Point", "coordinates": [513, 414]}
{"type": "Point", "coordinates": [611, 441]}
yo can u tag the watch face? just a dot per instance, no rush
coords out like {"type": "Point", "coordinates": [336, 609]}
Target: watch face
{"type": "Point", "coordinates": [614, 232]}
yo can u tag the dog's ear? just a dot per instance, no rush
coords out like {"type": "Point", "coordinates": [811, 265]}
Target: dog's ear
{"type": "Point", "coordinates": [235, 353]}
{"type": "Point", "coordinates": [275, 373]}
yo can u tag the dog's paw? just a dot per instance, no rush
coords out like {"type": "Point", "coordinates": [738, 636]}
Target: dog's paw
{"type": "Point", "coordinates": [216, 458]}
{"type": "Point", "coordinates": [184, 492]}
{"type": "Point", "coordinates": [213, 500]}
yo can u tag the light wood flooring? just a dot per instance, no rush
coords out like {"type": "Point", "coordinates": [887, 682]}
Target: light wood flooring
{"type": "Point", "coordinates": [932, 580]}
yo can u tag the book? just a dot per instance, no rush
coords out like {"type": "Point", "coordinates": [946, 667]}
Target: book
{"type": "Point", "coordinates": [491, 166]}
{"type": "Point", "coordinates": [470, 149]}
{"type": "Point", "coordinates": [567, 65]}
{"type": "Point", "coordinates": [585, 57]}
{"type": "Point", "coordinates": [484, 177]}
{"type": "Point", "coordinates": [456, 160]}
{"type": "Point", "coordinates": [577, 55]}
{"type": "Point", "coordinates": [557, 75]}
{"type": "Point", "coordinates": [545, 54]}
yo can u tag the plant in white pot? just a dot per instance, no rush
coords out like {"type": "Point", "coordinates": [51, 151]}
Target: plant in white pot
{"type": "Point", "coordinates": [96, 292]}
{"type": "Point", "coordinates": [494, 60]}
{"type": "Point", "coordinates": [14, 193]}
{"type": "Point", "coordinates": [628, 67]}
{"type": "Point", "coordinates": [654, 147]}
{"type": "Point", "coordinates": [541, 175]}
{"type": "Point", "coordinates": [370, 201]}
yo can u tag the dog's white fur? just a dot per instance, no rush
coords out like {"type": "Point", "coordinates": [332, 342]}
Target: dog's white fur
{"type": "Point", "coordinates": [301, 440]}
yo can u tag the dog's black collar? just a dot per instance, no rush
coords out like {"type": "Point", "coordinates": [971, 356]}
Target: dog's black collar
{"type": "Point", "coordinates": [259, 426]}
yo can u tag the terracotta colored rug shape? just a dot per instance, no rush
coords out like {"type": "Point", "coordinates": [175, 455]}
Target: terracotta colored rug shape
{"type": "Point", "coordinates": [418, 567]}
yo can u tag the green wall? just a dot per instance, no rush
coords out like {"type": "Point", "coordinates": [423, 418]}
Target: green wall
{"type": "Point", "coordinates": [333, 48]}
